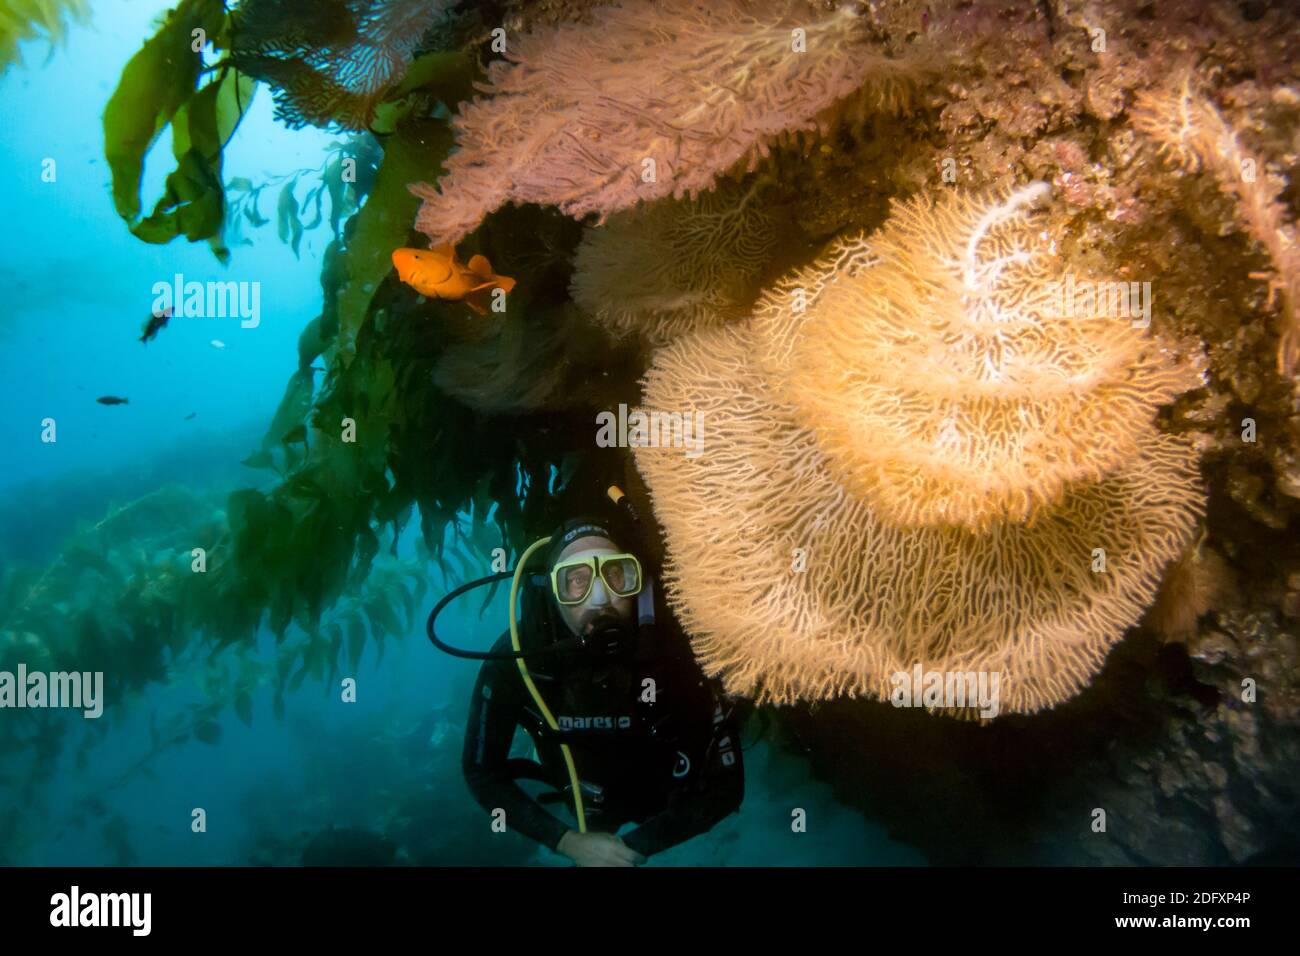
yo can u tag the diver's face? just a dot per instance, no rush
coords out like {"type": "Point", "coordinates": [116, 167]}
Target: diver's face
{"type": "Point", "coordinates": [601, 606]}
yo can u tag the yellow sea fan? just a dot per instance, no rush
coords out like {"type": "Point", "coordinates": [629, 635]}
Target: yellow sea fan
{"type": "Point", "coordinates": [946, 378]}
{"type": "Point", "coordinates": [874, 599]}
{"type": "Point", "coordinates": [675, 265]}
{"type": "Point", "coordinates": [794, 555]}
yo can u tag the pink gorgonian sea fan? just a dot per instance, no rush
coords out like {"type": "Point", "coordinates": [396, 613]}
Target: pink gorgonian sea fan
{"type": "Point", "coordinates": [651, 99]}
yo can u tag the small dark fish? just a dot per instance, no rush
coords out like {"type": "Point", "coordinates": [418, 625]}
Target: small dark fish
{"type": "Point", "coordinates": [190, 415]}
{"type": "Point", "coordinates": [112, 400]}
{"type": "Point", "coordinates": [156, 323]}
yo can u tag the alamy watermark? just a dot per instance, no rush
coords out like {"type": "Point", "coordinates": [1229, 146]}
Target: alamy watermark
{"type": "Point", "coordinates": [1105, 300]}
{"type": "Point", "coordinates": [209, 300]}
{"type": "Point", "coordinates": [75, 908]}
{"type": "Point", "coordinates": [653, 429]}
{"type": "Point", "coordinates": [76, 689]}
{"type": "Point", "coordinates": [945, 689]}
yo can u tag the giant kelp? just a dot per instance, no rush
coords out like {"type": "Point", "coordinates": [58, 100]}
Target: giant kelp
{"type": "Point", "coordinates": [23, 20]}
{"type": "Point", "coordinates": [345, 177]}
{"type": "Point", "coordinates": [131, 597]}
{"type": "Point", "coordinates": [159, 88]}
{"type": "Point", "coordinates": [130, 594]}
{"type": "Point", "coordinates": [296, 543]}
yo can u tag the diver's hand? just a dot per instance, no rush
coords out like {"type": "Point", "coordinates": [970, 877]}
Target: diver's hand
{"type": "Point", "coordinates": [597, 849]}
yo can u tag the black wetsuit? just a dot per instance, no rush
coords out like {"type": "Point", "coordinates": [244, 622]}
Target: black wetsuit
{"type": "Point", "coordinates": [672, 765]}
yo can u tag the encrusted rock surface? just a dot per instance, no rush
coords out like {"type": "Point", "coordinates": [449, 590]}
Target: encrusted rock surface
{"type": "Point", "coordinates": [1186, 769]}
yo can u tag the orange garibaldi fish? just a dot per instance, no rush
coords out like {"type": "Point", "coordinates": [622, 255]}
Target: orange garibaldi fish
{"type": "Point", "coordinates": [438, 274]}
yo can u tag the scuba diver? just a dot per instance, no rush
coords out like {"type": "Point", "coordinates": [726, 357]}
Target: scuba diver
{"type": "Point", "coordinates": [625, 726]}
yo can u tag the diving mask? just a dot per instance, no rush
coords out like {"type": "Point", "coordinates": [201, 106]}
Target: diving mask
{"type": "Point", "coordinates": [572, 580]}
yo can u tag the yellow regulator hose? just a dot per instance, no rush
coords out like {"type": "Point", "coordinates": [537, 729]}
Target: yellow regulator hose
{"type": "Point", "coordinates": [532, 688]}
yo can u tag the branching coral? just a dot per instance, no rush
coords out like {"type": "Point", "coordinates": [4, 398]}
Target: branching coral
{"type": "Point", "coordinates": [331, 61]}
{"type": "Point", "coordinates": [676, 265]}
{"type": "Point", "coordinates": [949, 338]}
{"type": "Point", "coordinates": [1192, 134]}
{"type": "Point", "coordinates": [653, 99]}
{"type": "Point", "coordinates": [789, 581]}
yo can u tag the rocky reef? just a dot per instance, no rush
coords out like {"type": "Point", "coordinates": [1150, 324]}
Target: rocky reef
{"type": "Point", "coordinates": [1190, 742]}
{"type": "Point", "coordinates": [1185, 770]}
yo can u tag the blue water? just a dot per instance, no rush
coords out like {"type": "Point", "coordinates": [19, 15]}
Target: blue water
{"type": "Point", "coordinates": [78, 287]}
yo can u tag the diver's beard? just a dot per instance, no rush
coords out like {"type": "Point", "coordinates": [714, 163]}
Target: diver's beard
{"type": "Point", "coordinates": [605, 633]}
{"type": "Point", "coordinates": [598, 620]}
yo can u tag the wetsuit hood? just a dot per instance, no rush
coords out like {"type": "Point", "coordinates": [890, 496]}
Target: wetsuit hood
{"type": "Point", "coordinates": [573, 529]}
